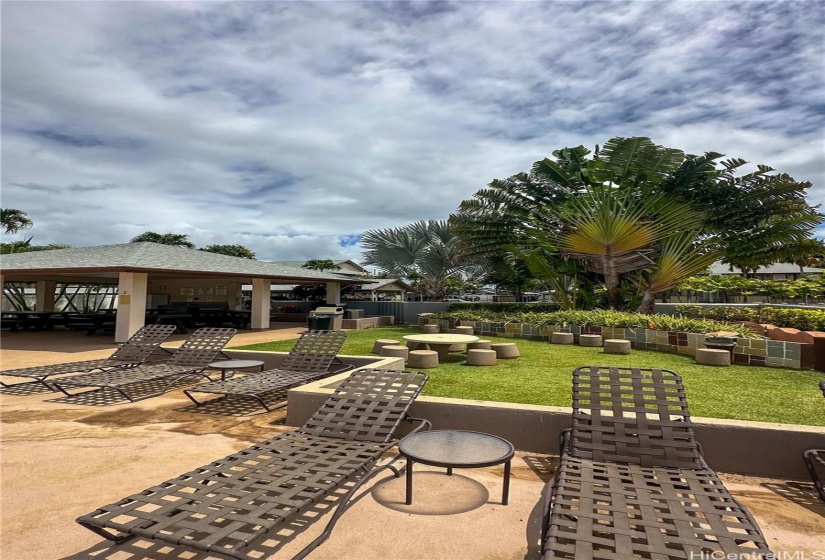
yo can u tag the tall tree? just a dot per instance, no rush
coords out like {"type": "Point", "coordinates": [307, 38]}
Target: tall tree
{"type": "Point", "coordinates": [14, 220]}
{"type": "Point", "coordinates": [231, 250]}
{"type": "Point", "coordinates": [531, 212]}
{"type": "Point", "coordinates": [426, 248]}
{"type": "Point", "coordinates": [177, 239]}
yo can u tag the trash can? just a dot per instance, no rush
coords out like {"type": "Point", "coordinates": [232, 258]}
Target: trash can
{"type": "Point", "coordinates": [354, 314]}
{"type": "Point", "coordinates": [334, 316]}
{"type": "Point", "coordinates": [316, 323]}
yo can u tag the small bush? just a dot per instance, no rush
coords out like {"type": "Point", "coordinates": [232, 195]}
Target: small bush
{"type": "Point", "coordinates": [504, 307]}
{"type": "Point", "coordinates": [600, 317]}
{"type": "Point", "coordinates": [802, 319]}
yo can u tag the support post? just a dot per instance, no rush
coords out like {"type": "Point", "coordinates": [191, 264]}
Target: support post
{"type": "Point", "coordinates": [44, 295]}
{"type": "Point", "coordinates": [333, 293]}
{"type": "Point", "coordinates": [131, 304]}
{"type": "Point", "coordinates": [261, 290]}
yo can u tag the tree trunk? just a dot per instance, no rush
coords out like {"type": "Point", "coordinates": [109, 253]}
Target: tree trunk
{"type": "Point", "coordinates": [611, 282]}
{"type": "Point", "coordinates": [648, 301]}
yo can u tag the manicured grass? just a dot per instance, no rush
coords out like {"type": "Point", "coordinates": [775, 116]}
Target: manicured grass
{"type": "Point", "coordinates": [543, 376]}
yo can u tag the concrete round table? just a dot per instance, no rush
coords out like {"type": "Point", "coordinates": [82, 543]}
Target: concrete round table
{"type": "Point", "coordinates": [441, 342]}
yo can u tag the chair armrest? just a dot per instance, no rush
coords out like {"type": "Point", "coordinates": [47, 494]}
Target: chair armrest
{"type": "Point", "coordinates": [424, 424]}
{"type": "Point", "coordinates": [564, 441]}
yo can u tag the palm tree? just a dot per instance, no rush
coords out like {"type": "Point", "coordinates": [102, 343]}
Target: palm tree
{"type": "Point", "coordinates": [176, 239]}
{"type": "Point", "coordinates": [320, 264]}
{"type": "Point", "coordinates": [14, 220]}
{"type": "Point", "coordinates": [614, 233]}
{"type": "Point", "coordinates": [231, 250]}
{"type": "Point", "coordinates": [426, 248]}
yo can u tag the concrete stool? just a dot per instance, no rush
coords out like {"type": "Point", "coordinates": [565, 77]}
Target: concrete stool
{"type": "Point", "coordinates": [505, 350]}
{"type": "Point", "coordinates": [479, 345]}
{"type": "Point", "coordinates": [479, 357]}
{"type": "Point", "coordinates": [393, 351]}
{"type": "Point", "coordinates": [430, 329]}
{"type": "Point", "coordinates": [616, 346]}
{"type": "Point", "coordinates": [417, 345]}
{"type": "Point", "coordinates": [594, 340]}
{"type": "Point", "coordinates": [422, 359]}
{"type": "Point", "coordinates": [561, 338]}
{"type": "Point", "coordinates": [381, 342]}
{"type": "Point", "coordinates": [464, 330]}
{"type": "Point", "coordinates": [712, 357]}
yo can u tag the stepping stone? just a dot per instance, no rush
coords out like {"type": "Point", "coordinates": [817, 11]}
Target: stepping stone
{"type": "Point", "coordinates": [381, 342]}
{"type": "Point", "coordinates": [394, 351]}
{"type": "Point", "coordinates": [505, 350]}
{"type": "Point", "coordinates": [562, 338]}
{"type": "Point", "coordinates": [479, 357]}
{"type": "Point", "coordinates": [616, 346]}
{"type": "Point", "coordinates": [479, 345]}
{"type": "Point", "coordinates": [422, 359]}
{"type": "Point", "coordinates": [712, 357]}
{"type": "Point", "coordinates": [592, 340]}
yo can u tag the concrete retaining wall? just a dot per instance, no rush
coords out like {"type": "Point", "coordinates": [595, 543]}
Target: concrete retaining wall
{"type": "Point", "coordinates": [750, 448]}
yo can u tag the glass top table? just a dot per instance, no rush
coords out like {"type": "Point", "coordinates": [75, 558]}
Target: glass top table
{"type": "Point", "coordinates": [229, 367]}
{"type": "Point", "coordinates": [456, 449]}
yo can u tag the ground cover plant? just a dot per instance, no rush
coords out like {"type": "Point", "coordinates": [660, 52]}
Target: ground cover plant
{"type": "Point", "coordinates": [542, 376]}
{"type": "Point", "coordinates": [802, 319]}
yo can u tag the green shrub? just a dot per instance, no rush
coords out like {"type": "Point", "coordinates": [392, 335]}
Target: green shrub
{"type": "Point", "coordinates": [802, 319]}
{"type": "Point", "coordinates": [600, 317]}
{"type": "Point", "coordinates": [505, 307]}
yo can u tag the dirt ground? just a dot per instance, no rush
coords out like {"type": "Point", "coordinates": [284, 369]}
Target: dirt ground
{"type": "Point", "coordinates": [62, 458]}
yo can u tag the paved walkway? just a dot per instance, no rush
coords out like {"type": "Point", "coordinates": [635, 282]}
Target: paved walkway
{"type": "Point", "coordinates": [63, 457]}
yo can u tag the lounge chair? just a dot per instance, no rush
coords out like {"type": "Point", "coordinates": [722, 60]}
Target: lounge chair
{"type": "Point", "coordinates": [193, 356]}
{"type": "Point", "coordinates": [815, 460]}
{"type": "Point", "coordinates": [632, 481]}
{"type": "Point", "coordinates": [228, 505]}
{"type": "Point", "coordinates": [310, 358]}
{"type": "Point", "coordinates": [136, 350]}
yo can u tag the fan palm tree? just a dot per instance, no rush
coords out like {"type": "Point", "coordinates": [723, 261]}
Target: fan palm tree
{"type": "Point", "coordinates": [613, 232]}
{"type": "Point", "coordinates": [426, 248]}
{"type": "Point", "coordinates": [177, 239]}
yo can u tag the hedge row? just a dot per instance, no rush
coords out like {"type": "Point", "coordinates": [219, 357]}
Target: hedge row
{"type": "Point", "coordinates": [802, 319]}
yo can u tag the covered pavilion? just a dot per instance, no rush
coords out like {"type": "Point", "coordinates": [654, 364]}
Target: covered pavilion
{"type": "Point", "coordinates": [143, 270]}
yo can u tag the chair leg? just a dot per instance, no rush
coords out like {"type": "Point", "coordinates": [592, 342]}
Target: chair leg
{"type": "Point", "coordinates": [340, 509]}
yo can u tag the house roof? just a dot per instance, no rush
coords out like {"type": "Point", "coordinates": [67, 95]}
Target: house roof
{"type": "Point", "coordinates": [383, 284]}
{"type": "Point", "coordinates": [162, 261]}
{"type": "Point", "coordinates": [359, 269]}
{"type": "Point", "coordinates": [776, 268]}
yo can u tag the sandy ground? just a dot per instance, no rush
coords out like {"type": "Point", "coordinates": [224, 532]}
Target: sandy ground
{"type": "Point", "coordinates": [62, 458]}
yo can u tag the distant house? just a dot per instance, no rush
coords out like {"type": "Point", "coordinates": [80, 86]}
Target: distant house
{"type": "Point", "coordinates": [777, 271]}
{"type": "Point", "coordinates": [380, 289]}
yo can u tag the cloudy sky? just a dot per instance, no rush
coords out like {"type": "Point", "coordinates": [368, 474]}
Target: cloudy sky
{"type": "Point", "coordinates": [293, 127]}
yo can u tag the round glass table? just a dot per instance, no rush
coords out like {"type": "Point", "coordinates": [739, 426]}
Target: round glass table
{"type": "Point", "coordinates": [229, 367]}
{"type": "Point", "coordinates": [456, 449]}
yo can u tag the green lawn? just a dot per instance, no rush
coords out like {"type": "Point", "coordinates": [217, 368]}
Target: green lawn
{"type": "Point", "coordinates": [543, 376]}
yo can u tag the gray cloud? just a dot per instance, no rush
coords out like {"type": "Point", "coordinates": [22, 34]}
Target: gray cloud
{"type": "Point", "coordinates": [291, 127]}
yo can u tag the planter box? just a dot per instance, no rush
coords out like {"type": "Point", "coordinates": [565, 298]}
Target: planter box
{"type": "Point", "coordinates": [748, 351]}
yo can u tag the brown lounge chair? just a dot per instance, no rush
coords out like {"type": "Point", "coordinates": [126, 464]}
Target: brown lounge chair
{"type": "Point", "coordinates": [632, 481]}
{"type": "Point", "coordinates": [136, 350]}
{"type": "Point", "coordinates": [815, 460]}
{"type": "Point", "coordinates": [228, 505]}
{"type": "Point", "coordinates": [310, 359]}
{"type": "Point", "coordinates": [193, 356]}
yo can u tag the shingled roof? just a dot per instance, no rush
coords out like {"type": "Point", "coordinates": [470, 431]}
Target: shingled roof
{"type": "Point", "coordinates": [168, 260]}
